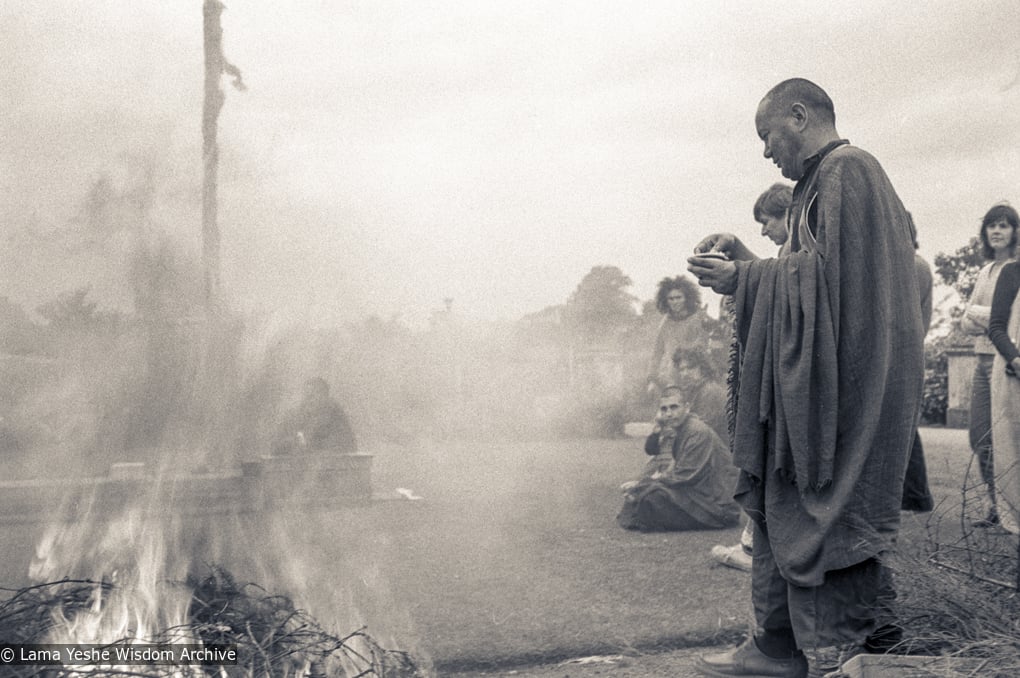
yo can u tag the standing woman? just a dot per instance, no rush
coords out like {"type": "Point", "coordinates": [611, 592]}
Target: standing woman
{"type": "Point", "coordinates": [998, 243]}
{"type": "Point", "coordinates": [682, 328]}
{"type": "Point", "coordinates": [1004, 332]}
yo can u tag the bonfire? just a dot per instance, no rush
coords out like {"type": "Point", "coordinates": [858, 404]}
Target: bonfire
{"type": "Point", "coordinates": [148, 607]}
{"type": "Point", "coordinates": [260, 634]}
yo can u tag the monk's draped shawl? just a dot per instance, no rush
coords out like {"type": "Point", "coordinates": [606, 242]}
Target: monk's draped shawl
{"type": "Point", "coordinates": [830, 382]}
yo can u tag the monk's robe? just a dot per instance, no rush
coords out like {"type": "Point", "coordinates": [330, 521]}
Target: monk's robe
{"type": "Point", "coordinates": [830, 385]}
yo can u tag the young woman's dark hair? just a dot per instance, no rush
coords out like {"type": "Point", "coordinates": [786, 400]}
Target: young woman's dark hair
{"type": "Point", "coordinates": [998, 213]}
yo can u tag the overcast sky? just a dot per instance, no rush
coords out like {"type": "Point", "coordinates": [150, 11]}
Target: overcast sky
{"type": "Point", "coordinates": [389, 154]}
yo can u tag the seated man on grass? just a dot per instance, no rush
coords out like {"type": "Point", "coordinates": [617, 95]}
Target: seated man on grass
{"type": "Point", "coordinates": [688, 483]}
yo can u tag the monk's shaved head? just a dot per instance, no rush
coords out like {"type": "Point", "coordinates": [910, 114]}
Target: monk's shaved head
{"type": "Point", "coordinates": [798, 90]}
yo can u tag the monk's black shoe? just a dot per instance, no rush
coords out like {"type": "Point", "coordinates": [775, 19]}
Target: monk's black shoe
{"type": "Point", "coordinates": [748, 660]}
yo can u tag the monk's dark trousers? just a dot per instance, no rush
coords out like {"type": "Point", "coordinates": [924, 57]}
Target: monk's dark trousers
{"type": "Point", "coordinates": [845, 609]}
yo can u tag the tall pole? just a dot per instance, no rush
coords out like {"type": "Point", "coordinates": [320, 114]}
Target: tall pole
{"type": "Point", "coordinates": [208, 385]}
{"type": "Point", "coordinates": [215, 66]}
{"type": "Point", "coordinates": [213, 33]}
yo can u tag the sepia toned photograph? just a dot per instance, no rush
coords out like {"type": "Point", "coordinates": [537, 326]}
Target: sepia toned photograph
{"type": "Point", "coordinates": [475, 338]}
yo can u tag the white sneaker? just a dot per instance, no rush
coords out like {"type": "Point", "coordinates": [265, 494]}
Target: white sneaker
{"type": "Point", "coordinates": [732, 556]}
{"type": "Point", "coordinates": [747, 537]}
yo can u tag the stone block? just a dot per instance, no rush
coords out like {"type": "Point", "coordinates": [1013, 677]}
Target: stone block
{"type": "Point", "coordinates": [957, 417]}
{"type": "Point", "coordinates": [897, 666]}
{"type": "Point", "coordinates": [638, 429]}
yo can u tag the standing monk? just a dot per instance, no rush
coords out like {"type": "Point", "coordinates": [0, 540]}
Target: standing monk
{"type": "Point", "coordinates": [829, 393]}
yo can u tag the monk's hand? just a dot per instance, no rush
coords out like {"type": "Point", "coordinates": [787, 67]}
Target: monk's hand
{"type": "Point", "coordinates": [725, 243]}
{"type": "Point", "coordinates": [717, 242]}
{"type": "Point", "coordinates": [719, 274]}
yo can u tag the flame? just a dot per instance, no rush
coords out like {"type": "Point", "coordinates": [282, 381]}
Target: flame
{"type": "Point", "coordinates": [136, 599]}
{"type": "Point", "coordinates": [138, 561]}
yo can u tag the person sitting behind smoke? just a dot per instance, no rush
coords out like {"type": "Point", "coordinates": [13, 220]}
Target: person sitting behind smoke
{"type": "Point", "coordinates": [688, 482]}
{"type": "Point", "coordinates": [317, 424]}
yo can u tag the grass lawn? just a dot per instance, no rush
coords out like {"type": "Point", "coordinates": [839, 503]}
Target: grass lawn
{"type": "Point", "coordinates": [525, 561]}
{"type": "Point", "coordinates": [514, 556]}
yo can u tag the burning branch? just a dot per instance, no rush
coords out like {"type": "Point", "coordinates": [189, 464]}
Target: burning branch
{"type": "Point", "coordinates": [271, 635]}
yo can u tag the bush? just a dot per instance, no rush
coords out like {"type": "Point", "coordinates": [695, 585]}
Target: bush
{"type": "Point", "coordinates": [935, 397]}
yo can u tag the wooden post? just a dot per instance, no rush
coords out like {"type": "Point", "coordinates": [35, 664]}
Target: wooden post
{"type": "Point", "coordinates": [213, 34]}
{"type": "Point", "coordinates": [209, 386]}
{"type": "Point", "coordinates": [215, 66]}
